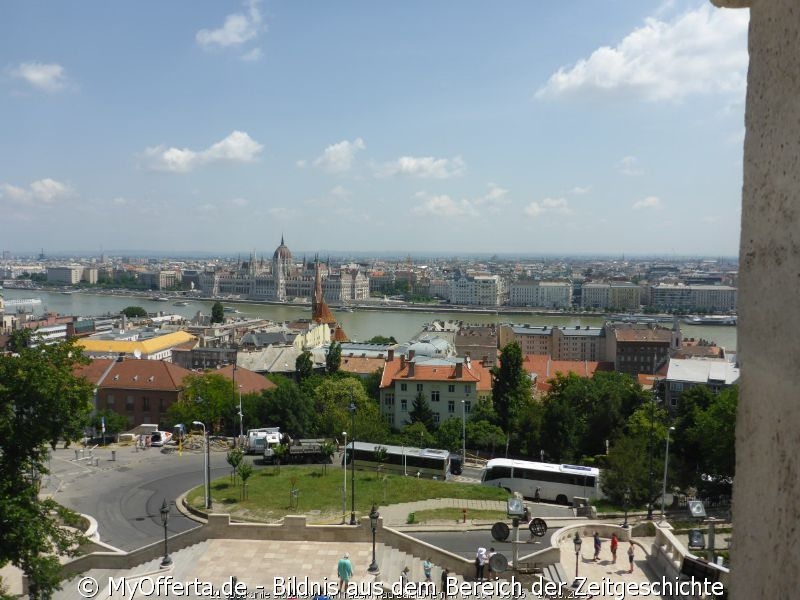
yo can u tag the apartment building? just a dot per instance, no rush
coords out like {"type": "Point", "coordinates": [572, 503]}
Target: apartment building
{"type": "Point", "coordinates": [684, 374]}
{"type": "Point", "coordinates": [545, 294]}
{"type": "Point", "coordinates": [713, 298]}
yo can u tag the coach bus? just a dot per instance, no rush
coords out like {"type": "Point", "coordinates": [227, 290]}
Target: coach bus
{"type": "Point", "coordinates": [430, 463]}
{"type": "Point", "coordinates": [556, 483]}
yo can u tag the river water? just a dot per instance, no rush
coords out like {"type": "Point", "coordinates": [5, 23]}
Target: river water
{"type": "Point", "coordinates": [358, 325]}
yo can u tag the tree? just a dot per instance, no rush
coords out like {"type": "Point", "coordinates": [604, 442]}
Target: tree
{"type": "Point", "coordinates": [245, 470]}
{"type": "Point", "coordinates": [628, 470]}
{"type": "Point", "coordinates": [421, 412]}
{"type": "Point", "coordinates": [285, 406]}
{"type": "Point", "coordinates": [511, 386]}
{"type": "Point", "coordinates": [417, 435]}
{"type": "Point", "coordinates": [217, 312]}
{"type": "Point", "coordinates": [41, 402]}
{"type": "Point", "coordinates": [448, 435]}
{"type": "Point", "coordinates": [234, 459]}
{"type": "Point", "coordinates": [303, 366]}
{"type": "Point", "coordinates": [134, 312]}
{"type": "Point", "coordinates": [484, 435]}
{"type": "Point", "coordinates": [206, 398]}
{"type": "Point", "coordinates": [333, 359]}
{"type": "Point", "coordinates": [115, 422]}
{"type": "Point", "coordinates": [382, 339]}
{"type": "Point", "coordinates": [332, 398]}
{"type": "Point", "coordinates": [279, 451]}
{"type": "Point", "coordinates": [372, 384]}
{"type": "Point", "coordinates": [327, 450]}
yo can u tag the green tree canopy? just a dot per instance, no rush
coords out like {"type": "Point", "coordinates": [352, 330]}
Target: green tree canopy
{"type": "Point", "coordinates": [41, 402]}
{"type": "Point", "coordinates": [511, 385]}
{"type": "Point", "coordinates": [288, 408]}
{"type": "Point", "coordinates": [217, 312]}
{"type": "Point", "coordinates": [304, 365]}
{"type": "Point", "coordinates": [421, 412]}
{"type": "Point", "coordinates": [207, 398]}
{"type": "Point", "coordinates": [382, 339]}
{"type": "Point", "coordinates": [333, 359]}
{"type": "Point", "coordinates": [134, 312]}
{"type": "Point", "coordinates": [332, 400]}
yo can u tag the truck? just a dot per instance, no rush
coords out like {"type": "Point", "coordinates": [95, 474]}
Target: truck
{"type": "Point", "coordinates": [262, 438]}
{"type": "Point", "coordinates": [299, 451]}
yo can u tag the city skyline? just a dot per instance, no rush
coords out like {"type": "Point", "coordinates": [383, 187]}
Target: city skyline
{"type": "Point", "coordinates": [451, 129]}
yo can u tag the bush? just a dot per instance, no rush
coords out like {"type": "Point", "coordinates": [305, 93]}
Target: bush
{"type": "Point", "coordinates": [412, 518]}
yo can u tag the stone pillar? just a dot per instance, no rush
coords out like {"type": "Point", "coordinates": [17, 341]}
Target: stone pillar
{"type": "Point", "coordinates": [766, 498]}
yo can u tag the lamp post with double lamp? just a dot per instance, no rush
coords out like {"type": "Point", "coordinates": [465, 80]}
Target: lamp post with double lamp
{"type": "Point", "coordinates": [577, 542]}
{"type": "Point", "coordinates": [241, 417]}
{"type": "Point", "coordinates": [666, 467]}
{"type": "Point", "coordinates": [344, 483]}
{"type": "Point", "coordinates": [352, 410]}
{"type": "Point", "coordinates": [164, 510]}
{"type": "Point", "coordinates": [207, 466]}
{"type": "Point", "coordinates": [374, 515]}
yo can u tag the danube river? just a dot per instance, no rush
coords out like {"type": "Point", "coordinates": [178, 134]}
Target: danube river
{"type": "Point", "coordinates": [359, 325]}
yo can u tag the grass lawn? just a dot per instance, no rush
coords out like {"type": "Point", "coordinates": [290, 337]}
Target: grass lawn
{"type": "Point", "coordinates": [456, 515]}
{"type": "Point", "coordinates": [320, 496]}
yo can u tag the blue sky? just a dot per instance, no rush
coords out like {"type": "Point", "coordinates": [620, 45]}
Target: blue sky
{"type": "Point", "coordinates": [547, 127]}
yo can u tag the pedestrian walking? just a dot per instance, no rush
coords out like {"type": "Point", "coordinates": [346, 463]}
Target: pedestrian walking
{"type": "Point", "coordinates": [445, 578]}
{"type": "Point", "coordinates": [427, 566]}
{"type": "Point", "coordinates": [489, 556]}
{"type": "Point", "coordinates": [480, 563]}
{"type": "Point", "coordinates": [345, 571]}
{"type": "Point", "coordinates": [538, 495]}
{"type": "Point", "coordinates": [614, 546]}
{"type": "Point", "coordinates": [597, 545]}
{"type": "Point", "coordinates": [404, 579]}
{"type": "Point", "coordinates": [630, 557]}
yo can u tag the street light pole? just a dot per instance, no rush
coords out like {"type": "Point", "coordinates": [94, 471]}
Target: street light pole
{"type": "Point", "coordinates": [374, 515]}
{"type": "Point", "coordinates": [463, 433]}
{"type": "Point", "coordinates": [207, 466]}
{"type": "Point", "coordinates": [626, 498]}
{"type": "Point", "coordinates": [650, 445]}
{"type": "Point", "coordinates": [241, 416]}
{"type": "Point", "coordinates": [164, 510]}
{"type": "Point", "coordinates": [666, 466]}
{"type": "Point", "coordinates": [353, 463]}
{"type": "Point", "coordinates": [577, 543]}
{"type": "Point", "coordinates": [344, 484]}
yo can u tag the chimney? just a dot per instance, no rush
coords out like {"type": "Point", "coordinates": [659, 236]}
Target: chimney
{"type": "Point", "coordinates": [410, 369]}
{"type": "Point", "coordinates": [411, 354]}
{"type": "Point", "coordinates": [390, 358]}
{"type": "Point", "coordinates": [402, 361]}
{"type": "Point", "coordinates": [459, 370]}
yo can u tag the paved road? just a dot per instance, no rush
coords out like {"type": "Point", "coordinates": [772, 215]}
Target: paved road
{"type": "Point", "coordinates": [466, 543]}
{"type": "Point", "coordinates": [125, 495]}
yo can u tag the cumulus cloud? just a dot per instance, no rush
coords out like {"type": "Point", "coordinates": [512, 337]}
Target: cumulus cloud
{"type": "Point", "coordinates": [237, 29]}
{"type": "Point", "coordinates": [239, 202]}
{"type": "Point", "coordinates": [548, 205]}
{"type": "Point", "coordinates": [702, 51]}
{"type": "Point", "coordinates": [337, 158]}
{"type": "Point", "coordinates": [423, 167]}
{"type": "Point", "coordinates": [649, 203]}
{"type": "Point", "coordinates": [251, 55]}
{"type": "Point", "coordinates": [42, 192]}
{"type": "Point", "coordinates": [443, 205]}
{"type": "Point", "coordinates": [47, 77]}
{"type": "Point", "coordinates": [238, 147]}
{"type": "Point", "coordinates": [580, 190]}
{"type": "Point", "coordinates": [628, 165]}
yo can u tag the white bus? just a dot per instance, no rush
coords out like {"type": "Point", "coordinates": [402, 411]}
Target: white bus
{"type": "Point", "coordinates": [430, 463]}
{"type": "Point", "coordinates": [557, 483]}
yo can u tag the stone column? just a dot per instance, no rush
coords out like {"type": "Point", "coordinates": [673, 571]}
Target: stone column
{"type": "Point", "coordinates": [766, 498]}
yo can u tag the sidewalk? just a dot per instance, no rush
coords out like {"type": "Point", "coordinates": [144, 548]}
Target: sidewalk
{"type": "Point", "coordinates": [396, 515]}
{"type": "Point", "coordinates": [604, 568]}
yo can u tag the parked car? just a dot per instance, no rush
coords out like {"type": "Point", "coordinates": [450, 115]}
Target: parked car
{"type": "Point", "coordinates": [159, 438]}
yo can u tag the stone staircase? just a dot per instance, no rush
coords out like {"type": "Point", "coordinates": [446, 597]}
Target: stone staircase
{"type": "Point", "coordinates": [392, 562]}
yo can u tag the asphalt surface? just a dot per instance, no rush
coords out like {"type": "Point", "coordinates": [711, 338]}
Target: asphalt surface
{"type": "Point", "coordinates": [466, 543]}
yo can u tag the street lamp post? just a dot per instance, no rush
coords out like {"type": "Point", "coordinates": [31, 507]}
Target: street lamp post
{"type": "Point", "coordinates": [463, 433]}
{"type": "Point", "coordinates": [241, 416]}
{"type": "Point", "coordinates": [164, 510]}
{"type": "Point", "coordinates": [374, 515]}
{"type": "Point", "coordinates": [207, 465]}
{"type": "Point", "coordinates": [344, 484]}
{"type": "Point", "coordinates": [626, 498]}
{"type": "Point", "coordinates": [577, 542]}
{"type": "Point", "coordinates": [666, 466]}
{"type": "Point", "coordinates": [650, 450]}
{"type": "Point", "coordinates": [353, 463]}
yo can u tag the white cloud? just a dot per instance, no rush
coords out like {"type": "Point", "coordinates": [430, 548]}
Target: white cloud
{"type": "Point", "coordinates": [238, 29]}
{"type": "Point", "coordinates": [424, 167]}
{"type": "Point", "coordinates": [340, 192]}
{"type": "Point", "coordinates": [651, 202]}
{"type": "Point", "coordinates": [548, 205]}
{"type": "Point", "coordinates": [238, 147]}
{"type": "Point", "coordinates": [339, 157]}
{"type": "Point", "coordinates": [281, 212]}
{"type": "Point", "coordinates": [702, 51]}
{"type": "Point", "coordinates": [628, 166]}
{"type": "Point", "coordinates": [239, 202]}
{"type": "Point", "coordinates": [119, 201]}
{"type": "Point", "coordinates": [44, 191]}
{"type": "Point", "coordinates": [444, 206]}
{"type": "Point", "coordinates": [46, 77]}
{"type": "Point", "coordinates": [580, 190]}
{"type": "Point", "coordinates": [252, 55]}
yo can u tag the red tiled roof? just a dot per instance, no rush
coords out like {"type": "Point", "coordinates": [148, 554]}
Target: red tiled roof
{"type": "Point", "coordinates": [399, 369]}
{"type": "Point", "coordinates": [662, 336]}
{"type": "Point", "coordinates": [546, 368]}
{"type": "Point", "coordinates": [134, 374]}
{"type": "Point", "coordinates": [249, 381]}
{"type": "Point", "coordinates": [339, 335]}
{"type": "Point", "coordinates": [361, 365]}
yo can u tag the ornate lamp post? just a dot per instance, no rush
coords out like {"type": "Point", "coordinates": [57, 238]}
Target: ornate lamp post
{"type": "Point", "coordinates": [353, 463]}
{"type": "Point", "coordinates": [577, 542]}
{"type": "Point", "coordinates": [626, 498]}
{"type": "Point", "coordinates": [463, 433]}
{"type": "Point", "coordinates": [666, 466]}
{"type": "Point", "coordinates": [164, 510]}
{"type": "Point", "coordinates": [374, 515]}
{"type": "Point", "coordinates": [207, 465]}
{"type": "Point", "coordinates": [344, 483]}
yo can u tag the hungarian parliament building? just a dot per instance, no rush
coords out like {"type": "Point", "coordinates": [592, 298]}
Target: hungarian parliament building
{"type": "Point", "coordinates": [284, 280]}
